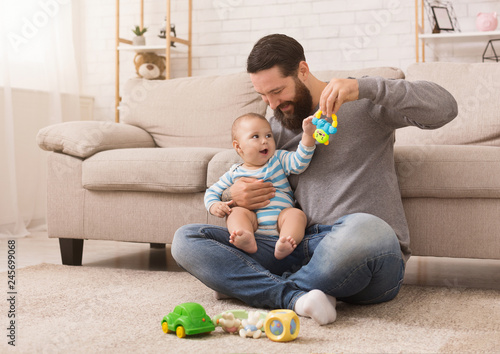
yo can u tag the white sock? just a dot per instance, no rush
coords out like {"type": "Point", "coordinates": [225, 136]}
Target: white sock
{"type": "Point", "coordinates": [318, 306]}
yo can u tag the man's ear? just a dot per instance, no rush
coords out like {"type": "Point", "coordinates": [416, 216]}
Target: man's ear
{"type": "Point", "coordinates": [303, 71]}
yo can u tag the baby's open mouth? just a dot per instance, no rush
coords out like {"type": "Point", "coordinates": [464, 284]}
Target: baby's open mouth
{"type": "Point", "coordinates": [264, 151]}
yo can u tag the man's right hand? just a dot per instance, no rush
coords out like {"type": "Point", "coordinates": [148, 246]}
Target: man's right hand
{"type": "Point", "coordinates": [250, 193]}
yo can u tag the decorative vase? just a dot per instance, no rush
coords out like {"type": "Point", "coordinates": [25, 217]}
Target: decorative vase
{"type": "Point", "coordinates": [486, 21]}
{"type": "Point", "coordinates": [139, 40]}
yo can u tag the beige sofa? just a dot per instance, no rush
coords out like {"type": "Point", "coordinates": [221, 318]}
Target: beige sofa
{"type": "Point", "coordinates": [141, 179]}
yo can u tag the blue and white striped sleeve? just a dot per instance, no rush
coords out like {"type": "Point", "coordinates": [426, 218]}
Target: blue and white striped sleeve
{"type": "Point", "coordinates": [296, 162]}
{"type": "Point", "coordinates": [214, 193]}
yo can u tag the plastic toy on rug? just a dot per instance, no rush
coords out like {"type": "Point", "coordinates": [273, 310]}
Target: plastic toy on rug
{"type": "Point", "coordinates": [187, 319]}
{"type": "Point", "coordinates": [252, 325]}
{"type": "Point", "coordinates": [229, 323]}
{"type": "Point", "coordinates": [239, 315]}
{"type": "Point", "coordinates": [324, 128]}
{"type": "Point", "coordinates": [282, 325]}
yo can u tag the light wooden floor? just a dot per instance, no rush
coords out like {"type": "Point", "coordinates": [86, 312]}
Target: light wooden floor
{"type": "Point", "coordinates": [38, 248]}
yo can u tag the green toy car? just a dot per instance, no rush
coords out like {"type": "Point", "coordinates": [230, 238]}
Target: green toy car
{"type": "Point", "coordinates": [187, 319]}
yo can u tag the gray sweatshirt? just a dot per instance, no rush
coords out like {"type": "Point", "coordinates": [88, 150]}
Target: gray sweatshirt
{"type": "Point", "coordinates": [356, 172]}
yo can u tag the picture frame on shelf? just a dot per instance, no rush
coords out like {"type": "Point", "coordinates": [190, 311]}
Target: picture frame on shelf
{"type": "Point", "coordinates": [442, 18]}
{"type": "Point", "coordinates": [433, 24]}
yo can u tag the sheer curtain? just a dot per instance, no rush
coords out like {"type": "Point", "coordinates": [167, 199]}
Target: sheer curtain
{"type": "Point", "coordinates": [38, 86]}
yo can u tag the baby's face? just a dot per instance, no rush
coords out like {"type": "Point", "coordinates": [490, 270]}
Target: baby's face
{"type": "Point", "coordinates": [255, 142]}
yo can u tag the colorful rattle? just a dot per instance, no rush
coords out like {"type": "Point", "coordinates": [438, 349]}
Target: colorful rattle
{"type": "Point", "coordinates": [324, 129]}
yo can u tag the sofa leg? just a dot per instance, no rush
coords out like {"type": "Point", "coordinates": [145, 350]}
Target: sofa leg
{"type": "Point", "coordinates": [157, 245]}
{"type": "Point", "coordinates": [71, 251]}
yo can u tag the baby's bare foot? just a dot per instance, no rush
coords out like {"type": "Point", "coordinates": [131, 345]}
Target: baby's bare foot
{"type": "Point", "coordinates": [284, 247]}
{"type": "Point", "coordinates": [244, 240]}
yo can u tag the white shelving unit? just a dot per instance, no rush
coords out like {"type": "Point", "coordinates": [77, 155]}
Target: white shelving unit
{"type": "Point", "coordinates": [158, 49]}
{"type": "Point", "coordinates": [421, 38]}
{"type": "Point", "coordinates": [451, 35]}
{"type": "Point", "coordinates": [123, 44]}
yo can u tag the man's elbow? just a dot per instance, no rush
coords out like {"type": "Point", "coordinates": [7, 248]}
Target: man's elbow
{"type": "Point", "coordinates": [453, 112]}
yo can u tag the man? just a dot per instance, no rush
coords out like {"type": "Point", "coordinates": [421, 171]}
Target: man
{"type": "Point", "coordinates": [357, 241]}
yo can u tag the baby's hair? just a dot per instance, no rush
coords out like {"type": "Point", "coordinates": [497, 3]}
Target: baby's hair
{"type": "Point", "coordinates": [238, 120]}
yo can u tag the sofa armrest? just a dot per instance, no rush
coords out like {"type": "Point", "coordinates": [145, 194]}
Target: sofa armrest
{"type": "Point", "coordinates": [85, 138]}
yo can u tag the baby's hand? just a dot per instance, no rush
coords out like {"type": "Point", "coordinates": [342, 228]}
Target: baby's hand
{"type": "Point", "coordinates": [308, 127]}
{"type": "Point", "coordinates": [221, 209]}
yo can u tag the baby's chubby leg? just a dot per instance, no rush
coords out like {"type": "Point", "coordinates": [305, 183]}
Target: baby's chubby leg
{"type": "Point", "coordinates": [291, 226]}
{"type": "Point", "coordinates": [242, 224]}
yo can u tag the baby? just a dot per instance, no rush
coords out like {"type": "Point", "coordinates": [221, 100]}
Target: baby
{"type": "Point", "coordinates": [253, 141]}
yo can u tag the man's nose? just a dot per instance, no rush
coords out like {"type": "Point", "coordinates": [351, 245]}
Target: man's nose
{"type": "Point", "coordinates": [273, 103]}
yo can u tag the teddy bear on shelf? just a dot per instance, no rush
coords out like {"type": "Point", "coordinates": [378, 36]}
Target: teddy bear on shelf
{"type": "Point", "coordinates": [150, 66]}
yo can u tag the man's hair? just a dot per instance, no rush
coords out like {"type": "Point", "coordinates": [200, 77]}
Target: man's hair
{"type": "Point", "coordinates": [237, 121]}
{"type": "Point", "coordinates": [276, 49]}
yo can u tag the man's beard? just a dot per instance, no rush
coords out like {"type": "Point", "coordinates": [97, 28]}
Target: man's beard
{"type": "Point", "coordinates": [302, 106]}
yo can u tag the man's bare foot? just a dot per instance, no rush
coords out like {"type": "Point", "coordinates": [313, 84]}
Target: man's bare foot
{"type": "Point", "coordinates": [284, 247]}
{"type": "Point", "coordinates": [244, 240]}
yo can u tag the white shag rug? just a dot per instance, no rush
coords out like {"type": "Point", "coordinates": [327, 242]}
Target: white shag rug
{"type": "Point", "coordinates": [62, 309]}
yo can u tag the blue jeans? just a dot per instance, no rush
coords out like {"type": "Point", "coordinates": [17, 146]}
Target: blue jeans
{"type": "Point", "coordinates": [356, 260]}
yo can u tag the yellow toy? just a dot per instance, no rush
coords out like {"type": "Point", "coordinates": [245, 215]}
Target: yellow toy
{"type": "Point", "coordinates": [324, 128]}
{"type": "Point", "coordinates": [282, 325]}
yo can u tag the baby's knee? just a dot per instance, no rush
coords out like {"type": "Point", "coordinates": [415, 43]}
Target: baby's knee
{"type": "Point", "coordinates": [243, 212]}
{"type": "Point", "coordinates": [293, 213]}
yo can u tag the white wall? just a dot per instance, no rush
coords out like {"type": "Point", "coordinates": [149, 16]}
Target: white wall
{"type": "Point", "coordinates": [339, 34]}
{"type": "Point", "coordinates": [33, 110]}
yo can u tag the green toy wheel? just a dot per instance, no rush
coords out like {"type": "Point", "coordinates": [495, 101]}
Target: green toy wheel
{"type": "Point", "coordinates": [181, 332]}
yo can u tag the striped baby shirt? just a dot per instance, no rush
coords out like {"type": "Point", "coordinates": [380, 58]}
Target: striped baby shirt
{"type": "Point", "coordinates": [280, 165]}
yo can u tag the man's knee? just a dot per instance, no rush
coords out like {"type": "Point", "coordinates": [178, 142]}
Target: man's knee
{"type": "Point", "coordinates": [362, 236]}
{"type": "Point", "coordinates": [180, 242]}
{"type": "Point", "coordinates": [372, 229]}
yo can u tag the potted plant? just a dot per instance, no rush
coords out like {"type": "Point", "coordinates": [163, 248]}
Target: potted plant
{"type": "Point", "coordinates": [139, 38]}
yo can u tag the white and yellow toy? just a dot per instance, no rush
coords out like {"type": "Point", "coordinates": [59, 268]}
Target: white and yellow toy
{"type": "Point", "coordinates": [252, 325]}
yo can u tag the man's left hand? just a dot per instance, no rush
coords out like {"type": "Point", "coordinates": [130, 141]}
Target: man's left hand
{"type": "Point", "coordinates": [337, 92]}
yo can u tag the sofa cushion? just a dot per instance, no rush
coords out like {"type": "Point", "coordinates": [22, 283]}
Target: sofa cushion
{"type": "Point", "coordinates": [477, 90]}
{"type": "Point", "coordinates": [387, 72]}
{"type": "Point", "coordinates": [448, 171]}
{"type": "Point", "coordinates": [173, 170]}
{"type": "Point", "coordinates": [220, 164]}
{"type": "Point", "coordinates": [85, 138]}
{"type": "Point", "coordinates": [194, 111]}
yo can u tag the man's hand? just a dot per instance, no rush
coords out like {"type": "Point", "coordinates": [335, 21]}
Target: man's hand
{"type": "Point", "coordinates": [337, 92]}
{"type": "Point", "coordinates": [221, 209]}
{"type": "Point", "coordinates": [251, 193]}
